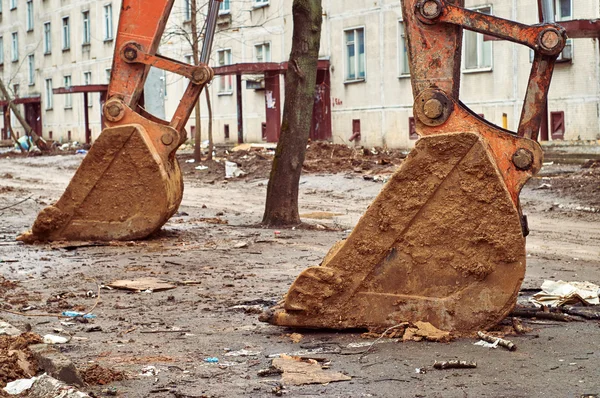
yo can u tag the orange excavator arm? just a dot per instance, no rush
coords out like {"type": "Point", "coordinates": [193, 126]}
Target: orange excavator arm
{"type": "Point", "coordinates": [444, 241]}
{"type": "Point", "coordinates": [130, 183]}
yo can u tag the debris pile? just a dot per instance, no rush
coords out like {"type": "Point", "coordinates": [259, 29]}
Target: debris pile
{"type": "Point", "coordinates": [254, 161]}
{"type": "Point", "coordinates": [16, 359]}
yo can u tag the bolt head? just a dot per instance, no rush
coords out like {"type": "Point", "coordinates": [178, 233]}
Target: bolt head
{"type": "Point", "coordinates": [167, 139]}
{"type": "Point", "coordinates": [431, 9]}
{"type": "Point", "coordinates": [130, 54]}
{"type": "Point", "coordinates": [113, 110]}
{"type": "Point", "coordinates": [523, 159]}
{"type": "Point", "coordinates": [550, 39]}
{"type": "Point", "coordinates": [433, 108]}
{"type": "Point", "coordinates": [199, 76]}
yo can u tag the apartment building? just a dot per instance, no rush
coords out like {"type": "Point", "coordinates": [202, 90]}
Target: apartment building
{"type": "Point", "coordinates": [49, 44]}
{"type": "Point", "coordinates": [363, 87]}
{"type": "Point", "coordinates": [368, 80]}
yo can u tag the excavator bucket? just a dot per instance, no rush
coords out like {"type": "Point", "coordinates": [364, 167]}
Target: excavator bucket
{"type": "Point", "coordinates": [130, 183]}
{"type": "Point", "coordinates": [444, 242]}
{"type": "Point", "coordinates": [124, 189]}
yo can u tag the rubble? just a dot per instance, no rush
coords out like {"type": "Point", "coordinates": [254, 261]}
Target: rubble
{"type": "Point", "coordinates": [56, 364]}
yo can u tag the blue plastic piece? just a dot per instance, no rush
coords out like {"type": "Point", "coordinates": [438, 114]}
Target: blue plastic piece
{"type": "Point", "coordinates": [75, 314]}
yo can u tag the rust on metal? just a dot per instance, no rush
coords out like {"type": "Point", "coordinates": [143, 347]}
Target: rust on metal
{"type": "Point", "coordinates": [444, 242]}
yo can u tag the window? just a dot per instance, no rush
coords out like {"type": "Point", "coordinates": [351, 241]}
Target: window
{"type": "Point", "coordinates": [187, 12]}
{"type": "Point", "coordinates": [108, 22]}
{"type": "Point", "coordinates": [86, 27]}
{"type": "Point", "coordinates": [261, 3]}
{"type": "Point", "coordinates": [49, 94]}
{"type": "Point", "coordinates": [1, 50]}
{"type": "Point", "coordinates": [31, 64]}
{"type": "Point", "coordinates": [403, 68]}
{"type": "Point", "coordinates": [47, 38]}
{"type": "Point", "coordinates": [87, 80]}
{"type": "Point", "coordinates": [29, 15]}
{"type": "Point", "coordinates": [13, 4]}
{"type": "Point", "coordinates": [224, 7]}
{"type": "Point", "coordinates": [68, 97]}
{"type": "Point", "coordinates": [478, 53]}
{"type": "Point", "coordinates": [263, 52]}
{"type": "Point", "coordinates": [15, 47]}
{"type": "Point", "coordinates": [563, 10]}
{"type": "Point", "coordinates": [66, 34]}
{"type": "Point", "coordinates": [225, 81]}
{"type": "Point", "coordinates": [355, 54]}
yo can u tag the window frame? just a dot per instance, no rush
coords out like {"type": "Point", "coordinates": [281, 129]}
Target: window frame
{"type": "Point", "coordinates": [557, 11]}
{"type": "Point", "coordinates": [29, 21]}
{"type": "Point", "coordinates": [47, 38]}
{"type": "Point", "coordinates": [49, 94]}
{"type": "Point", "coordinates": [402, 50]}
{"type": "Point", "coordinates": [356, 79]}
{"type": "Point", "coordinates": [14, 46]}
{"type": "Point", "coordinates": [263, 45]}
{"type": "Point", "coordinates": [86, 29]}
{"type": "Point", "coordinates": [226, 81]}
{"type": "Point", "coordinates": [31, 70]}
{"type": "Point", "coordinates": [187, 11]}
{"type": "Point", "coordinates": [65, 29]}
{"type": "Point", "coordinates": [222, 9]}
{"type": "Point", "coordinates": [108, 25]}
{"type": "Point", "coordinates": [480, 42]}
{"type": "Point", "coordinates": [260, 3]}
{"type": "Point", "coordinates": [87, 80]}
{"type": "Point", "coordinates": [68, 97]}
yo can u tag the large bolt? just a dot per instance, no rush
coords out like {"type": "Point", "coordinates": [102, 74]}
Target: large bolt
{"type": "Point", "coordinates": [199, 76]}
{"type": "Point", "coordinates": [114, 110]}
{"type": "Point", "coordinates": [167, 139]}
{"type": "Point", "coordinates": [550, 39]}
{"type": "Point", "coordinates": [431, 9]}
{"type": "Point", "coordinates": [523, 159]}
{"type": "Point", "coordinates": [130, 54]}
{"type": "Point", "coordinates": [433, 108]}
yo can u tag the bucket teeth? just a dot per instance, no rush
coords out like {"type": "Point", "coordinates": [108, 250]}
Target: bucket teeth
{"type": "Point", "coordinates": [442, 243]}
{"type": "Point", "coordinates": [313, 286]}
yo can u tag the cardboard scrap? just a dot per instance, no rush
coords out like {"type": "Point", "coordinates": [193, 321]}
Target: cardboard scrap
{"type": "Point", "coordinates": [139, 285]}
{"type": "Point", "coordinates": [296, 372]}
{"type": "Point", "coordinates": [425, 331]}
{"type": "Point", "coordinates": [557, 293]}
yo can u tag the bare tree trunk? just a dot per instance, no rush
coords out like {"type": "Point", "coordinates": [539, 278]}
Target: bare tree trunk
{"type": "Point", "coordinates": [196, 57]}
{"type": "Point", "coordinates": [281, 207]}
{"type": "Point", "coordinates": [210, 122]}
{"type": "Point", "coordinates": [39, 141]}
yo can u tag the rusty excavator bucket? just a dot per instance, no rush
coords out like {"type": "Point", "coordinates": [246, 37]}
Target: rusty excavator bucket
{"type": "Point", "coordinates": [444, 242]}
{"type": "Point", "coordinates": [129, 184]}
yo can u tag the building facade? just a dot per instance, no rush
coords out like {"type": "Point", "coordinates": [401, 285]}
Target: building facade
{"type": "Point", "coordinates": [365, 88]}
{"type": "Point", "coordinates": [49, 44]}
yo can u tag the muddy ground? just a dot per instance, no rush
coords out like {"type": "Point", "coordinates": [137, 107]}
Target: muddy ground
{"type": "Point", "coordinates": [227, 270]}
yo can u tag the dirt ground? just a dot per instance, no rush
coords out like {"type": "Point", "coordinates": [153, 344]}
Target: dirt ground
{"type": "Point", "coordinates": [226, 271]}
